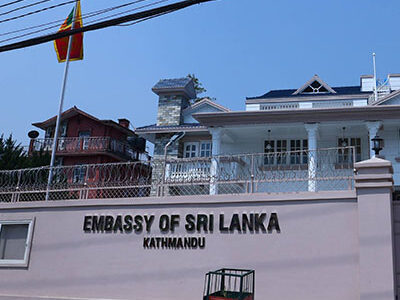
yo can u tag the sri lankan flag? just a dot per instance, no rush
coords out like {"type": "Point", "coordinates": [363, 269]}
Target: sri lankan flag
{"type": "Point", "coordinates": [61, 45]}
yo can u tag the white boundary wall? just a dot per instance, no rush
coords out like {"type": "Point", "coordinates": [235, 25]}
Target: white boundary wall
{"type": "Point", "coordinates": [321, 252]}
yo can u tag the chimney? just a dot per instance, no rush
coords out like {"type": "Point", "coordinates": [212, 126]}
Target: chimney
{"type": "Point", "coordinates": [394, 82]}
{"type": "Point", "coordinates": [124, 122]}
{"type": "Point", "coordinates": [367, 83]}
{"type": "Point", "coordinates": [174, 96]}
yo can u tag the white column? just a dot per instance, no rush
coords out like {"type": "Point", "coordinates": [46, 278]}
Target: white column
{"type": "Point", "coordinates": [216, 150]}
{"type": "Point", "coordinates": [312, 131]}
{"type": "Point", "coordinates": [373, 128]}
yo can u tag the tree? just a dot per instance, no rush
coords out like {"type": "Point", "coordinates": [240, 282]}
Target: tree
{"type": "Point", "coordinates": [199, 88]}
{"type": "Point", "coordinates": [197, 84]}
{"type": "Point", "coordinates": [13, 156]}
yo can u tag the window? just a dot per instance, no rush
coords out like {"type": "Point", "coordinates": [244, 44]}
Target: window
{"type": "Point", "coordinates": [84, 135]}
{"type": "Point", "coordinates": [63, 129]}
{"type": "Point", "coordinates": [315, 87]}
{"type": "Point", "coordinates": [79, 174]}
{"type": "Point", "coordinates": [205, 149]}
{"type": "Point", "coordinates": [345, 155]}
{"type": "Point", "coordinates": [15, 242]}
{"type": "Point", "coordinates": [276, 152]}
{"type": "Point", "coordinates": [49, 132]}
{"type": "Point", "coordinates": [197, 149]}
{"type": "Point", "coordinates": [269, 149]}
{"type": "Point", "coordinates": [190, 150]}
{"type": "Point", "coordinates": [281, 148]}
{"type": "Point", "coordinates": [298, 152]}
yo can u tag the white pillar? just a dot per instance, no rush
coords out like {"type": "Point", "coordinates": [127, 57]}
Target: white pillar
{"type": "Point", "coordinates": [216, 150]}
{"type": "Point", "coordinates": [312, 131]}
{"type": "Point", "coordinates": [373, 128]}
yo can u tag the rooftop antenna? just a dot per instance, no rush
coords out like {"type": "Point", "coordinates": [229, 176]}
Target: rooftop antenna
{"type": "Point", "coordinates": [375, 87]}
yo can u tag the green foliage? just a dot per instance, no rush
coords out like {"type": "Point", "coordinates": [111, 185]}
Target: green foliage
{"type": "Point", "coordinates": [13, 156]}
{"type": "Point", "coordinates": [199, 88]}
{"type": "Point", "coordinates": [197, 84]}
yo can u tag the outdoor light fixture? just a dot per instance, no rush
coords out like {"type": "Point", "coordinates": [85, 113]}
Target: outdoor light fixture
{"type": "Point", "coordinates": [344, 143]}
{"type": "Point", "coordinates": [268, 146]}
{"type": "Point", "coordinates": [378, 143]}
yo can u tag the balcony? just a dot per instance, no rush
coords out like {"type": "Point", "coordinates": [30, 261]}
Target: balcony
{"type": "Point", "coordinates": [291, 171]}
{"type": "Point", "coordinates": [89, 145]}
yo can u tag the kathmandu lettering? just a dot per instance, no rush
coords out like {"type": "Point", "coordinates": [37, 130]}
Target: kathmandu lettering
{"type": "Point", "coordinates": [174, 242]}
{"type": "Point", "coordinates": [192, 223]}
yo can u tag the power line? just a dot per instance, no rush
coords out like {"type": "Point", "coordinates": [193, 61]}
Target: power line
{"type": "Point", "coordinates": [84, 16]}
{"type": "Point", "coordinates": [37, 11]}
{"type": "Point", "coordinates": [121, 13]}
{"type": "Point", "coordinates": [145, 19]}
{"type": "Point", "coordinates": [10, 3]}
{"type": "Point", "coordinates": [22, 7]}
{"type": "Point", "coordinates": [100, 25]}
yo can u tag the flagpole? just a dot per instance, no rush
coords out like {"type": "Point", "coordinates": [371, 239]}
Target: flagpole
{"type": "Point", "coordinates": [60, 108]}
{"type": "Point", "coordinates": [375, 84]}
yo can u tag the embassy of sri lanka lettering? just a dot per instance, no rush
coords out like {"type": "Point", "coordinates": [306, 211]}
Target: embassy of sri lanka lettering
{"type": "Point", "coordinates": [192, 223]}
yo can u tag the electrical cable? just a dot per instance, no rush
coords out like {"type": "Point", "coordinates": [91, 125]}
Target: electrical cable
{"type": "Point", "coordinates": [145, 19]}
{"type": "Point", "coordinates": [10, 3]}
{"type": "Point", "coordinates": [129, 10]}
{"type": "Point", "coordinates": [37, 11]}
{"type": "Point", "coordinates": [22, 7]}
{"type": "Point", "coordinates": [56, 26]}
{"type": "Point", "coordinates": [100, 25]}
{"type": "Point", "coordinates": [84, 16]}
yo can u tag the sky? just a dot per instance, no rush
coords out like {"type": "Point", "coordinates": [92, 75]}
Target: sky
{"type": "Point", "coordinates": [237, 48]}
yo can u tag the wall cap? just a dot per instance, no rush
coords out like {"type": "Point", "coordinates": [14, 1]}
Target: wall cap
{"type": "Point", "coordinates": [345, 195]}
{"type": "Point", "coordinates": [374, 162]}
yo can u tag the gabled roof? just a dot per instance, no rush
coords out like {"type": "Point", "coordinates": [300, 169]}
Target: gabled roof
{"type": "Point", "coordinates": [298, 94]}
{"type": "Point", "coordinates": [205, 101]}
{"type": "Point", "coordinates": [74, 111]}
{"type": "Point", "coordinates": [289, 93]}
{"type": "Point", "coordinates": [184, 85]}
{"type": "Point", "coordinates": [313, 79]}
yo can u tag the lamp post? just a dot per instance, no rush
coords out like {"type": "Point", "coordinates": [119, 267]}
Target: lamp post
{"type": "Point", "coordinates": [377, 144]}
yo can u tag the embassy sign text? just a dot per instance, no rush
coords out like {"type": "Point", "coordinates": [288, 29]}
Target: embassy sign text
{"type": "Point", "coordinates": [192, 223]}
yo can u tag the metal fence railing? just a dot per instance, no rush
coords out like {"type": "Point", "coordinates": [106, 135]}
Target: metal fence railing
{"type": "Point", "coordinates": [290, 171]}
{"type": "Point", "coordinates": [66, 145]}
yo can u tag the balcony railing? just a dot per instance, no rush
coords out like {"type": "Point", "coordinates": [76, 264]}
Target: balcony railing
{"type": "Point", "coordinates": [294, 171]}
{"type": "Point", "coordinates": [85, 145]}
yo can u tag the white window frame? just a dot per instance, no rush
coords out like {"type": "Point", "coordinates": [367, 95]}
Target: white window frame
{"type": "Point", "coordinates": [63, 129]}
{"type": "Point", "coordinates": [79, 173]}
{"type": "Point", "coordinates": [273, 157]}
{"type": "Point", "coordinates": [205, 142]}
{"type": "Point", "coordinates": [345, 155]}
{"type": "Point", "coordinates": [23, 263]}
{"type": "Point", "coordinates": [197, 144]}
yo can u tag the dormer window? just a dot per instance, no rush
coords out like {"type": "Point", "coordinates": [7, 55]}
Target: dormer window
{"type": "Point", "coordinates": [315, 87]}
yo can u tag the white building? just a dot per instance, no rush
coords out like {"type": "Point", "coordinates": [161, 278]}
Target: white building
{"type": "Point", "coordinates": [281, 130]}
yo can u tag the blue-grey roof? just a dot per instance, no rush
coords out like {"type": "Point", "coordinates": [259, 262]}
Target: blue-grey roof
{"type": "Point", "coordinates": [172, 83]}
{"type": "Point", "coordinates": [342, 90]}
{"type": "Point", "coordinates": [172, 128]}
{"type": "Point", "coordinates": [185, 85]}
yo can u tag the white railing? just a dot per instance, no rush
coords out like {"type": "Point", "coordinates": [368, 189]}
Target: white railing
{"type": "Point", "coordinates": [291, 171]}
